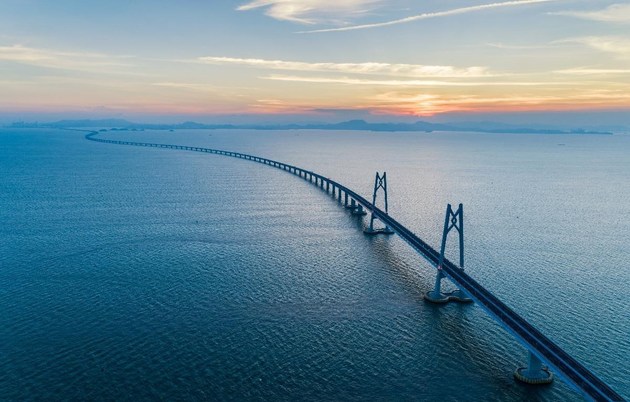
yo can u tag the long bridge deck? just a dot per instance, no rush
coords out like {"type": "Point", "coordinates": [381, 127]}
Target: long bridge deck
{"type": "Point", "coordinates": [574, 373]}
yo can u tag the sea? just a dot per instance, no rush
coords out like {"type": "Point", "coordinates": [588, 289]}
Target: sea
{"type": "Point", "coordinates": [131, 273]}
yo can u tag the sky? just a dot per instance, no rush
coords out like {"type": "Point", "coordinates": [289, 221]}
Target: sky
{"type": "Point", "coordinates": [315, 60]}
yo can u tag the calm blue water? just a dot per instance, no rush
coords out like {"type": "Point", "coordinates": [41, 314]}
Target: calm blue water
{"type": "Point", "coordinates": [131, 273]}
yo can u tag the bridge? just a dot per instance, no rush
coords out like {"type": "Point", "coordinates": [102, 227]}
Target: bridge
{"type": "Point", "coordinates": [541, 349]}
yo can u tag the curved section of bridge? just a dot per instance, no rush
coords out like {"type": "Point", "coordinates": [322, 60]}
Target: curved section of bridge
{"type": "Point", "coordinates": [574, 373]}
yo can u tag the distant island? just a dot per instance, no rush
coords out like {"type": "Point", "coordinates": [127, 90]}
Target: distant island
{"type": "Point", "coordinates": [419, 126]}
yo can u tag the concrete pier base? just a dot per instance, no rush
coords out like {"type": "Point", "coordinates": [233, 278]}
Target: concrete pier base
{"type": "Point", "coordinates": [441, 298]}
{"type": "Point", "coordinates": [459, 296]}
{"type": "Point", "coordinates": [372, 231]}
{"type": "Point", "coordinates": [436, 297]}
{"type": "Point", "coordinates": [534, 373]}
{"type": "Point", "coordinates": [359, 211]}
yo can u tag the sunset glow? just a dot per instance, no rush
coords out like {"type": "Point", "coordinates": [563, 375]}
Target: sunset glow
{"type": "Point", "coordinates": [302, 56]}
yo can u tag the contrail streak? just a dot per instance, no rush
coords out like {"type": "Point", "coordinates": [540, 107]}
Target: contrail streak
{"type": "Point", "coordinates": [455, 11]}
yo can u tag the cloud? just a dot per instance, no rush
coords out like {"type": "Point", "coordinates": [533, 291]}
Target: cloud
{"type": "Point", "coordinates": [187, 86]}
{"type": "Point", "coordinates": [277, 106]}
{"type": "Point", "coordinates": [446, 13]}
{"type": "Point", "coordinates": [431, 103]}
{"type": "Point", "coordinates": [311, 11]}
{"type": "Point", "coordinates": [616, 45]}
{"type": "Point", "coordinates": [407, 70]}
{"type": "Point", "coordinates": [412, 83]}
{"type": "Point", "coordinates": [594, 71]}
{"type": "Point", "coordinates": [88, 62]}
{"type": "Point", "coordinates": [499, 45]}
{"type": "Point", "coordinates": [612, 13]}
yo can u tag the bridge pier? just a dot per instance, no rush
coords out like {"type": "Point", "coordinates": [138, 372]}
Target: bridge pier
{"type": "Point", "coordinates": [358, 210]}
{"type": "Point", "coordinates": [436, 295]}
{"type": "Point", "coordinates": [453, 220]}
{"type": "Point", "coordinates": [534, 373]}
{"type": "Point", "coordinates": [379, 183]}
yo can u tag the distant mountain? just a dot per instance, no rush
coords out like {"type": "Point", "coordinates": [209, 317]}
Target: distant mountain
{"type": "Point", "coordinates": [87, 123]}
{"type": "Point", "coordinates": [422, 126]}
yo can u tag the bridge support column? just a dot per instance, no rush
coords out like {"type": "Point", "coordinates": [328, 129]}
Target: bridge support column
{"type": "Point", "coordinates": [358, 210]}
{"type": "Point", "coordinates": [534, 373]}
{"type": "Point", "coordinates": [436, 295]}
{"type": "Point", "coordinates": [345, 198]}
{"type": "Point", "coordinates": [380, 182]}
{"type": "Point", "coordinates": [452, 220]}
{"type": "Point", "coordinates": [352, 205]}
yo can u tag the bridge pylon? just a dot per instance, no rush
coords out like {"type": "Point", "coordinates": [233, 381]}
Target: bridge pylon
{"type": "Point", "coordinates": [380, 183]}
{"type": "Point", "coordinates": [452, 220]}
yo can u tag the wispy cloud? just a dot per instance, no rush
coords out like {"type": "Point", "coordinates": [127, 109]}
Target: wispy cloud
{"type": "Point", "coordinates": [89, 62]}
{"type": "Point", "coordinates": [593, 71]}
{"type": "Point", "coordinates": [427, 104]}
{"type": "Point", "coordinates": [612, 13]}
{"type": "Point", "coordinates": [413, 83]}
{"type": "Point", "coordinates": [312, 11]}
{"type": "Point", "coordinates": [406, 70]}
{"type": "Point", "coordinates": [519, 47]}
{"type": "Point", "coordinates": [432, 103]}
{"type": "Point", "coordinates": [446, 13]}
{"type": "Point", "coordinates": [278, 106]}
{"type": "Point", "coordinates": [616, 45]}
{"type": "Point", "coordinates": [186, 85]}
